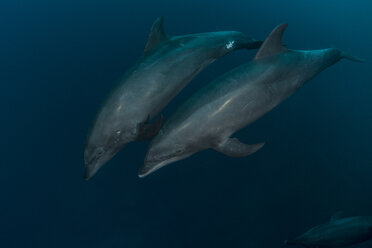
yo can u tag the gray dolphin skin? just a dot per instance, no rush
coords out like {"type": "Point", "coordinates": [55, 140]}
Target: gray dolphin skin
{"type": "Point", "coordinates": [168, 64]}
{"type": "Point", "coordinates": [236, 99]}
{"type": "Point", "coordinates": [338, 232]}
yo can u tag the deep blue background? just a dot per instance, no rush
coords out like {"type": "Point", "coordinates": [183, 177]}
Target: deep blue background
{"type": "Point", "coordinates": [60, 58]}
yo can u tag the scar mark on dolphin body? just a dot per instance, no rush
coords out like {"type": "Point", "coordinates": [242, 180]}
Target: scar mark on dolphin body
{"type": "Point", "coordinates": [119, 108]}
{"type": "Point", "coordinates": [230, 44]}
{"type": "Point", "coordinates": [248, 103]}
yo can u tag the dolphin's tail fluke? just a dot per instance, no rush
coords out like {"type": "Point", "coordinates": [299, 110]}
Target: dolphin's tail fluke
{"type": "Point", "coordinates": [351, 57]}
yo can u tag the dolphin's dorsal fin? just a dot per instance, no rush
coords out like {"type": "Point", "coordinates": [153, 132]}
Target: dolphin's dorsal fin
{"type": "Point", "coordinates": [157, 34]}
{"type": "Point", "coordinates": [336, 216]}
{"type": "Point", "coordinates": [273, 43]}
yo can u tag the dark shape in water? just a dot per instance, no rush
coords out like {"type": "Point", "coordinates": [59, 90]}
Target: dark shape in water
{"type": "Point", "coordinates": [235, 100]}
{"type": "Point", "coordinates": [166, 67]}
{"type": "Point", "coordinates": [338, 232]}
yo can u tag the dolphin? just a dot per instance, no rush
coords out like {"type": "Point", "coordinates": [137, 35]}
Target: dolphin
{"type": "Point", "coordinates": [338, 232]}
{"type": "Point", "coordinates": [236, 99]}
{"type": "Point", "coordinates": [168, 64]}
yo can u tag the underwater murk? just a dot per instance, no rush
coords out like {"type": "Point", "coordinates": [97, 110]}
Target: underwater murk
{"type": "Point", "coordinates": [186, 123]}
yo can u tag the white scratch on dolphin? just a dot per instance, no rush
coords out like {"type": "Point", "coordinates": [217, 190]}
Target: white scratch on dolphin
{"type": "Point", "coordinates": [230, 44]}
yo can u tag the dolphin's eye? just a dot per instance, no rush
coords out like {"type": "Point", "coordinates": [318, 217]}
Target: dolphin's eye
{"type": "Point", "coordinates": [178, 151]}
{"type": "Point", "coordinates": [99, 152]}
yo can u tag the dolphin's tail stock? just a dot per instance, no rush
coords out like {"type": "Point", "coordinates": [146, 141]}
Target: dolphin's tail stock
{"type": "Point", "coordinates": [247, 42]}
{"type": "Point", "coordinates": [254, 45]}
{"type": "Point", "coordinates": [351, 57]}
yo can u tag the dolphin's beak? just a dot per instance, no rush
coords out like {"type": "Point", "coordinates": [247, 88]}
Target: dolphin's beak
{"type": "Point", "coordinates": [151, 166]}
{"type": "Point", "coordinates": [92, 166]}
{"type": "Point", "coordinates": [142, 172]}
{"type": "Point", "coordinates": [90, 171]}
{"type": "Point", "coordinates": [148, 168]}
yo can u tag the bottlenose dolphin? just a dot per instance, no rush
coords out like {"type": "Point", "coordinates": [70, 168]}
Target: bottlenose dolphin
{"type": "Point", "coordinates": [168, 64]}
{"type": "Point", "coordinates": [338, 232]}
{"type": "Point", "coordinates": [236, 99]}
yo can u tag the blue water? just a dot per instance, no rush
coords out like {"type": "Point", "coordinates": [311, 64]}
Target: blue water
{"type": "Point", "coordinates": [58, 61]}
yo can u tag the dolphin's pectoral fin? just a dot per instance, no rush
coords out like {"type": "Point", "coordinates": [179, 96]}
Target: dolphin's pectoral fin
{"type": "Point", "coordinates": [234, 148]}
{"type": "Point", "coordinates": [351, 57]}
{"type": "Point", "coordinates": [148, 130]}
{"type": "Point", "coordinates": [157, 34]}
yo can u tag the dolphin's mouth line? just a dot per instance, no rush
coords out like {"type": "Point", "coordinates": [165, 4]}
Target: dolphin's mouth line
{"type": "Point", "coordinates": [90, 161]}
{"type": "Point", "coordinates": [157, 164]}
{"type": "Point", "coordinates": [154, 166]}
{"type": "Point", "coordinates": [94, 159]}
{"type": "Point", "coordinates": [156, 161]}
